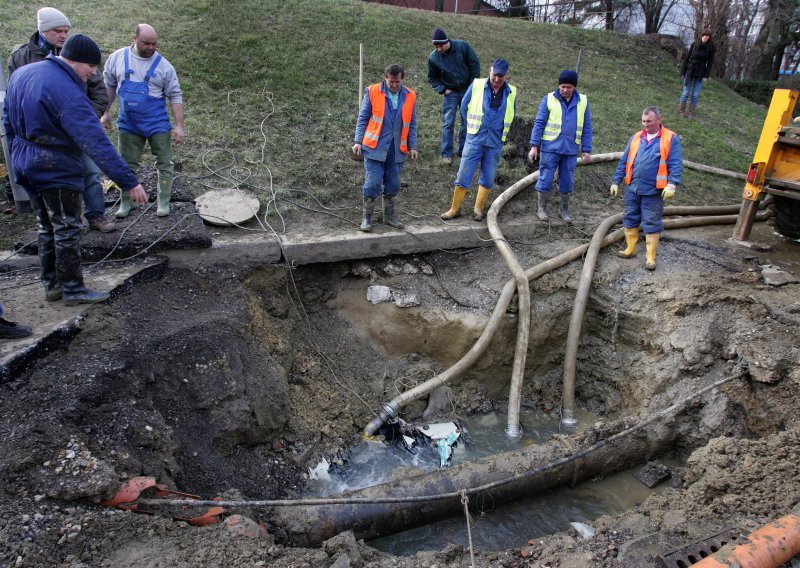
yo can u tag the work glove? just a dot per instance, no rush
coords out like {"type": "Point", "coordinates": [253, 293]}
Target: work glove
{"type": "Point", "coordinates": [108, 185]}
{"type": "Point", "coordinates": [669, 191]}
{"type": "Point", "coordinates": [614, 191]}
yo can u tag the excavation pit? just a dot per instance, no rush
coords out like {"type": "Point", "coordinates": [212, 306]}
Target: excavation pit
{"type": "Point", "coordinates": [233, 382]}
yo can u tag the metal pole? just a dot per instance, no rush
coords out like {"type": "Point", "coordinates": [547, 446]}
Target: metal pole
{"type": "Point", "coordinates": [21, 199]}
{"type": "Point", "coordinates": [578, 64]}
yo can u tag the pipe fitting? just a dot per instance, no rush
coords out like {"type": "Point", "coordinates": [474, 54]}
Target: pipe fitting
{"type": "Point", "coordinates": [388, 412]}
{"type": "Point", "coordinates": [514, 430]}
{"type": "Point", "coordinates": [569, 421]}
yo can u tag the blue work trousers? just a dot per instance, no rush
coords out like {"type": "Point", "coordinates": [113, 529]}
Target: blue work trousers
{"type": "Point", "coordinates": [549, 162]}
{"type": "Point", "coordinates": [691, 85]}
{"type": "Point", "coordinates": [451, 107]}
{"type": "Point", "coordinates": [645, 211]}
{"type": "Point", "coordinates": [382, 177]}
{"type": "Point", "coordinates": [93, 198]}
{"type": "Point", "coordinates": [475, 154]}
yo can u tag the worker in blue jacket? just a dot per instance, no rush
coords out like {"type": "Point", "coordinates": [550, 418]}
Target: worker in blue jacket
{"type": "Point", "coordinates": [488, 109]}
{"type": "Point", "coordinates": [652, 168]}
{"type": "Point", "coordinates": [561, 131]}
{"type": "Point", "coordinates": [386, 131]}
{"type": "Point", "coordinates": [50, 123]}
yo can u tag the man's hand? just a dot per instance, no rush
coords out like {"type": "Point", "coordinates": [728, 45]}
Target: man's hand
{"type": "Point", "coordinates": [448, 91]}
{"type": "Point", "coordinates": [138, 195]}
{"type": "Point", "coordinates": [614, 191]}
{"type": "Point", "coordinates": [533, 154]}
{"type": "Point", "coordinates": [414, 154]}
{"type": "Point", "coordinates": [587, 157]}
{"type": "Point", "coordinates": [357, 149]}
{"type": "Point", "coordinates": [669, 191]}
{"type": "Point", "coordinates": [105, 120]}
{"type": "Point", "coordinates": [179, 135]}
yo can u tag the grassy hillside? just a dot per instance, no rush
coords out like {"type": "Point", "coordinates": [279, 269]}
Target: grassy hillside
{"type": "Point", "coordinates": [236, 59]}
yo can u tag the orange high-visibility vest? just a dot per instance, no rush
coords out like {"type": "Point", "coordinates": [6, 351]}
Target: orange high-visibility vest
{"type": "Point", "coordinates": [378, 101]}
{"type": "Point", "coordinates": [661, 175]}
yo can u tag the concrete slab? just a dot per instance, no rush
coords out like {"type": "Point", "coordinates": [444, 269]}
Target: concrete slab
{"type": "Point", "coordinates": [236, 250]}
{"type": "Point", "coordinates": [385, 241]}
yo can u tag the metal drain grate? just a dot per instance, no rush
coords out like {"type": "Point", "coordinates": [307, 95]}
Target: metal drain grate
{"type": "Point", "coordinates": [685, 556]}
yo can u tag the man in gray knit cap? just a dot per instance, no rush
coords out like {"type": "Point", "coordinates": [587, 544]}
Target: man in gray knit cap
{"type": "Point", "coordinates": [53, 28]}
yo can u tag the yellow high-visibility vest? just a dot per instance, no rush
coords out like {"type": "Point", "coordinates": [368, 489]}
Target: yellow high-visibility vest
{"type": "Point", "coordinates": [475, 108]}
{"type": "Point", "coordinates": [553, 127]}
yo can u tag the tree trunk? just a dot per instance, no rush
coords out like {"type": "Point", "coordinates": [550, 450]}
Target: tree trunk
{"type": "Point", "coordinates": [767, 43]}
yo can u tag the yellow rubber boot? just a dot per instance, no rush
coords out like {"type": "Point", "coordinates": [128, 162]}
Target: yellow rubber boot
{"type": "Point", "coordinates": [459, 193]}
{"type": "Point", "coordinates": [651, 243]}
{"type": "Point", "coordinates": [480, 203]}
{"type": "Point", "coordinates": [631, 237]}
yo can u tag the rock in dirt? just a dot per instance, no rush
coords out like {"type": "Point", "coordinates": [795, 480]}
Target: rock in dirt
{"type": "Point", "coordinates": [379, 294]}
{"type": "Point", "coordinates": [775, 276]}
{"type": "Point", "coordinates": [653, 473]}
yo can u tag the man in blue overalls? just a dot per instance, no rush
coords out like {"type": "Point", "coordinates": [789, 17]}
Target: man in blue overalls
{"type": "Point", "coordinates": [144, 82]}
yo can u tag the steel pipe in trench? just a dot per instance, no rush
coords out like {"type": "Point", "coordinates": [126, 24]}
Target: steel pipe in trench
{"type": "Point", "coordinates": [534, 469]}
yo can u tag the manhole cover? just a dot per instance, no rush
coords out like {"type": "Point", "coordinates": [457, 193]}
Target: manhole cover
{"type": "Point", "coordinates": [227, 206]}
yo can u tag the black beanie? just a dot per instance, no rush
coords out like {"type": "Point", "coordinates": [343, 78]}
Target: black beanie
{"type": "Point", "coordinates": [439, 37]}
{"type": "Point", "coordinates": [569, 77]}
{"type": "Point", "coordinates": [82, 49]}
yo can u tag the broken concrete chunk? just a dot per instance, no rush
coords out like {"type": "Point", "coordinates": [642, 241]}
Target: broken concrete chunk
{"type": "Point", "coordinates": [379, 294]}
{"type": "Point", "coordinates": [404, 300]}
{"type": "Point", "coordinates": [653, 473]}
{"type": "Point", "coordinates": [775, 276]}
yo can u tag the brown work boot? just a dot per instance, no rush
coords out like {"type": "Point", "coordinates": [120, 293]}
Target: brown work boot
{"type": "Point", "coordinates": [682, 110]}
{"type": "Point", "coordinates": [100, 224]}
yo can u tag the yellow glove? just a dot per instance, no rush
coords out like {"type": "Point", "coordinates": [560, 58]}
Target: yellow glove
{"type": "Point", "coordinates": [669, 191]}
{"type": "Point", "coordinates": [614, 190]}
{"type": "Point", "coordinates": [108, 185]}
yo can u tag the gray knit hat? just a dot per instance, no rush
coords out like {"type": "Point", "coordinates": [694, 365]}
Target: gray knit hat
{"type": "Point", "coordinates": [49, 18]}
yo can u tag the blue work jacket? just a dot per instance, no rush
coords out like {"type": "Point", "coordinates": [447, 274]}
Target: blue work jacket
{"type": "Point", "coordinates": [491, 131]}
{"type": "Point", "coordinates": [50, 123]}
{"type": "Point", "coordinates": [645, 166]}
{"type": "Point", "coordinates": [565, 143]}
{"type": "Point", "coordinates": [391, 128]}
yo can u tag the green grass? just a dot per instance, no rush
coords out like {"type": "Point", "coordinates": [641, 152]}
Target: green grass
{"type": "Point", "coordinates": [233, 57]}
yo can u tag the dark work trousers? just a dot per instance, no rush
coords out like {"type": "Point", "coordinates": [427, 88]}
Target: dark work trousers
{"type": "Point", "coordinates": [58, 212]}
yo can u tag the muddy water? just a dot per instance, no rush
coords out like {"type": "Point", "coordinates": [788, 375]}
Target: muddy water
{"type": "Point", "coordinates": [509, 526]}
{"type": "Point", "coordinates": [512, 525]}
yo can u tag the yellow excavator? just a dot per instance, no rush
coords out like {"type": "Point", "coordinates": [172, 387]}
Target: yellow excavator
{"type": "Point", "coordinates": [775, 169]}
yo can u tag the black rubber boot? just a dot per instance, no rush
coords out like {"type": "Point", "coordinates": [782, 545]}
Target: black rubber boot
{"type": "Point", "coordinates": [541, 197]}
{"type": "Point", "coordinates": [47, 267]}
{"type": "Point", "coordinates": [369, 209]}
{"type": "Point", "coordinates": [64, 210]}
{"type": "Point", "coordinates": [563, 208]}
{"type": "Point", "coordinates": [388, 213]}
